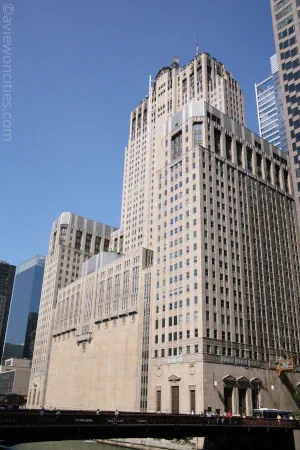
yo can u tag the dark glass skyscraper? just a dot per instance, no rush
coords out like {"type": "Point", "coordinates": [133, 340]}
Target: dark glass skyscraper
{"type": "Point", "coordinates": [270, 108]}
{"type": "Point", "coordinates": [25, 305]}
{"type": "Point", "coordinates": [7, 275]}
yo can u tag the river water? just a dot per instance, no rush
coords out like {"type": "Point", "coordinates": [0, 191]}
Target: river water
{"type": "Point", "coordinates": [66, 445]}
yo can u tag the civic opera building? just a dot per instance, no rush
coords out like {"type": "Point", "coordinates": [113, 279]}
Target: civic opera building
{"type": "Point", "coordinates": [189, 305]}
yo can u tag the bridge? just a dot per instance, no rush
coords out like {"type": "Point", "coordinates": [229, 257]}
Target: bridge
{"type": "Point", "coordinates": [227, 433]}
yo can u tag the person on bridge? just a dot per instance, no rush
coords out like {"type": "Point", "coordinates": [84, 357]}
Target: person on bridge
{"type": "Point", "coordinates": [116, 416]}
{"type": "Point", "coordinates": [278, 418]}
{"type": "Point", "coordinates": [41, 415]}
{"type": "Point", "coordinates": [291, 417]}
{"type": "Point", "coordinates": [98, 412]}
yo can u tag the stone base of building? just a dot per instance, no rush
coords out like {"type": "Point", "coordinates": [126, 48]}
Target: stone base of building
{"type": "Point", "coordinates": [198, 386]}
{"type": "Point", "coordinates": [102, 373]}
{"type": "Point", "coordinates": [105, 373]}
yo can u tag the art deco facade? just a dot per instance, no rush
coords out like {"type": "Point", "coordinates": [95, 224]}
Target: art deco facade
{"type": "Point", "coordinates": [73, 240]}
{"type": "Point", "coordinates": [203, 78]}
{"type": "Point", "coordinates": [286, 16]}
{"type": "Point", "coordinates": [226, 284]}
{"type": "Point", "coordinates": [100, 349]}
{"type": "Point", "coordinates": [209, 206]}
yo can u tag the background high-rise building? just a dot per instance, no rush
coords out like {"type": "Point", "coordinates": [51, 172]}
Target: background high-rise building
{"type": "Point", "coordinates": [25, 305]}
{"type": "Point", "coordinates": [285, 16]}
{"type": "Point", "coordinates": [270, 108]}
{"type": "Point", "coordinates": [73, 240]}
{"type": "Point", "coordinates": [14, 377]}
{"type": "Point", "coordinates": [7, 275]}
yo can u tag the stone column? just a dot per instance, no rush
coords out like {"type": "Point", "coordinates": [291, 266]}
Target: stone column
{"type": "Point", "coordinates": [235, 400]}
{"type": "Point", "coordinates": [249, 409]}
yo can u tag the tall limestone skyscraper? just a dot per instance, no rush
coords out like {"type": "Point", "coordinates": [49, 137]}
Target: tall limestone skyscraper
{"type": "Point", "coordinates": [199, 295]}
{"type": "Point", "coordinates": [73, 240]}
{"type": "Point", "coordinates": [204, 78]}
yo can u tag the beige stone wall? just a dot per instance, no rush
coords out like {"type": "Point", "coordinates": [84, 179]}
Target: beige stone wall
{"type": "Point", "coordinates": [105, 375]}
{"type": "Point", "coordinates": [201, 376]}
{"type": "Point", "coordinates": [63, 266]}
{"type": "Point", "coordinates": [21, 381]}
{"type": "Point", "coordinates": [191, 377]}
{"type": "Point", "coordinates": [279, 397]}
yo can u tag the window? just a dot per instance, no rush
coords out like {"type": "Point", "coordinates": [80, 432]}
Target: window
{"type": "Point", "coordinates": [239, 152]}
{"type": "Point", "coordinates": [217, 136]}
{"type": "Point", "coordinates": [285, 11]}
{"type": "Point", "coordinates": [285, 22]}
{"type": "Point", "coordinates": [197, 132]}
{"type": "Point", "coordinates": [249, 158]}
{"type": "Point", "coordinates": [176, 145]}
{"type": "Point", "coordinates": [280, 4]}
{"type": "Point", "coordinates": [228, 146]}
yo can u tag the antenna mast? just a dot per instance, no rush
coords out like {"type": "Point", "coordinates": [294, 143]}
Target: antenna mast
{"type": "Point", "coordinates": [197, 47]}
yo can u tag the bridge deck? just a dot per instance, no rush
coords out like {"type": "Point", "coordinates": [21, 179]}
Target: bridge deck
{"type": "Point", "coordinates": [30, 426]}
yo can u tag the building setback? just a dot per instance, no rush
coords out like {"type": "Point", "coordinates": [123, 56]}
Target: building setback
{"type": "Point", "coordinates": [204, 78]}
{"type": "Point", "coordinates": [25, 306]}
{"type": "Point", "coordinates": [270, 108]}
{"type": "Point", "coordinates": [285, 17]}
{"type": "Point", "coordinates": [73, 240]}
{"type": "Point", "coordinates": [100, 349]}
{"type": "Point", "coordinates": [7, 274]}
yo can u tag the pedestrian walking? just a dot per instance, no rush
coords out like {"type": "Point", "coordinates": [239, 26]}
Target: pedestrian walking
{"type": "Point", "coordinates": [41, 415]}
{"type": "Point", "coordinates": [116, 416]}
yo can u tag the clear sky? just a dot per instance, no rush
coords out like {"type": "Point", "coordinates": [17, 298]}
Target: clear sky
{"type": "Point", "coordinates": [79, 68]}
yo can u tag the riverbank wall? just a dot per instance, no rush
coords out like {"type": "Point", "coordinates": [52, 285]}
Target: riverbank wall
{"type": "Point", "coordinates": [155, 444]}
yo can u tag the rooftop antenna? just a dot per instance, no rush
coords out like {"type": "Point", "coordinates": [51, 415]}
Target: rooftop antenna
{"type": "Point", "coordinates": [197, 47]}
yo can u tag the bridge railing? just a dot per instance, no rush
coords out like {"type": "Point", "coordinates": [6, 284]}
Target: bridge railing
{"type": "Point", "coordinates": [34, 418]}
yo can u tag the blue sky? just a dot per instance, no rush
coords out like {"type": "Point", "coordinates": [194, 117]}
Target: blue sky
{"type": "Point", "coordinates": [79, 68]}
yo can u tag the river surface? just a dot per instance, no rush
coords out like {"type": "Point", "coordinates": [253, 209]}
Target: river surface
{"type": "Point", "coordinates": [65, 445]}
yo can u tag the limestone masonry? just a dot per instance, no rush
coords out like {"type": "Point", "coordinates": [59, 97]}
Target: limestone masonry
{"type": "Point", "coordinates": [190, 303]}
